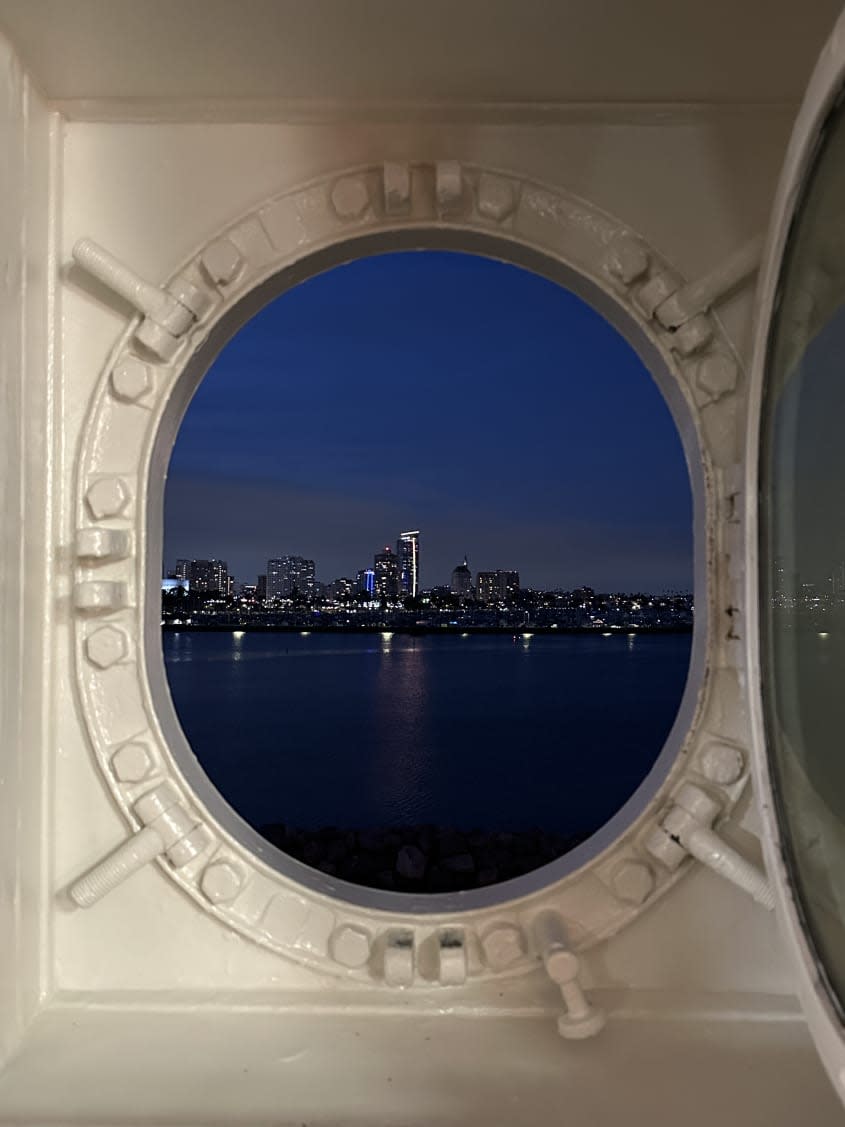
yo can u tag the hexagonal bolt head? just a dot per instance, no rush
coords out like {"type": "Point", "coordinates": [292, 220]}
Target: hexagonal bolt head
{"type": "Point", "coordinates": [496, 197]}
{"type": "Point", "coordinates": [503, 945]}
{"type": "Point", "coordinates": [626, 260]}
{"type": "Point", "coordinates": [722, 763]}
{"type": "Point", "coordinates": [350, 946]}
{"type": "Point", "coordinates": [693, 336]}
{"type": "Point", "coordinates": [350, 197]}
{"type": "Point", "coordinates": [633, 882]}
{"type": "Point", "coordinates": [106, 646]}
{"type": "Point", "coordinates": [221, 882]}
{"type": "Point", "coordinates": [130, 379]}
{"type": "Point", "coordinates": [132, 763]}
{"type": "Point", "coordinates": [222, 261]}
{"type": "Point", "coordinates": [107, 497]}
{"type": "Point", "coordinates": [716, 375]}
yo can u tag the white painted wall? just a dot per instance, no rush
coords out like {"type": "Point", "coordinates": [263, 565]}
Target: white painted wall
{"type": "Point", "coordinates": [27, 458]}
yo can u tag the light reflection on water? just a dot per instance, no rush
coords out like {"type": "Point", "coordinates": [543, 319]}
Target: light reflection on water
{"type": "Point", "coordinates": [362, 731]}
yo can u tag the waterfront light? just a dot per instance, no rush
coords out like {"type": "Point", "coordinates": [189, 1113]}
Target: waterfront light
{"type": "Point", "coordinates": [237, 635]}
{"type": "Point", "coordinates": [304, 633]}
{"type": "Point", "coordinates": [823, 634]}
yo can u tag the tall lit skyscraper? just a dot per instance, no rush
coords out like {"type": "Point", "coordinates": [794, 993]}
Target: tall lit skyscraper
{"type": "Point", "coordinates": [408, 551]}
{"type": "Point", "coordinates": [366, 583]}
{"type": "Point", "coordinates": [386, 568]}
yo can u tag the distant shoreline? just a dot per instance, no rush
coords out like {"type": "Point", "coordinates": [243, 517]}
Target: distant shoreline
{"type": "Point", "coordinates": [414, 631]}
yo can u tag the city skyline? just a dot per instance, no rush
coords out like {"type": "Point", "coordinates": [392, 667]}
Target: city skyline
{"type": "Point", "coordinates": [447, 392]}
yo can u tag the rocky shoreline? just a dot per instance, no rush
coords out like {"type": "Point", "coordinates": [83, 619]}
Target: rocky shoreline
{"type": "Point", "coordinates": [421, 858]}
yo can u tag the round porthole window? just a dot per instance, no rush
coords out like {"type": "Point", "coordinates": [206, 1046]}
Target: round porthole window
{"type": "Point", "coordinates": [466, 703]}
{"type": "Point", "coordinates": [401, 590]}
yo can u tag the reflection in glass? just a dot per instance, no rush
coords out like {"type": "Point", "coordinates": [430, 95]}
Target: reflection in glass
{"type": "Point", "coordinates": [802, 548]}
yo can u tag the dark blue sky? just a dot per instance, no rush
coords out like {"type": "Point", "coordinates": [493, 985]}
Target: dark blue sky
{"type": "Point", "coordinates": [465, 397]}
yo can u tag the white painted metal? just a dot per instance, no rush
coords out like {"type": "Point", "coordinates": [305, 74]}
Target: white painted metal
{"type": "Point", "coordinates": [611, 878]}
{"type": "Point", "coordinates": [825, 88]}
{"type": "Point", "coordinates": [150, 1007]}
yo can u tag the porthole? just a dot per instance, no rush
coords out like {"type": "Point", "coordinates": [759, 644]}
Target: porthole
{"type": "Point", "coordinates": [222, 863]}
{"type": "Point", "coordinates": [391, 716]}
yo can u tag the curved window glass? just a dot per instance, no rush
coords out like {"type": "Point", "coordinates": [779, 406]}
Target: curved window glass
{"type": "Point", "coordinates": [428, 558]}
{"type": "Point", "coordinates": [802, 552]}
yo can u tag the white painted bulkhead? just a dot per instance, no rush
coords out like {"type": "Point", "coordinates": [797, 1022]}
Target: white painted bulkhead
{"type": "Point", "coordinates": [148, 1008]}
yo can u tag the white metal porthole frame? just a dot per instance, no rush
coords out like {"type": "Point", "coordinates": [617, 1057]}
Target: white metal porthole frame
{"type": "Point", "coordinates": [175, 816]}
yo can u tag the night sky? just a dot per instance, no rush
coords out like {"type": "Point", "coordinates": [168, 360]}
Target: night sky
{"type": "Point", "coordinates": [471, 399]}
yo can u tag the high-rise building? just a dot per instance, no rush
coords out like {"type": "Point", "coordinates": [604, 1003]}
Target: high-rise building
{"type": "Point", "coordinates": [290, 576]}
{"type": "Point", "coordinates": [366, 582]}
{"type": "Point", "coordinates": [183, 569]}
{"type": "Point", "coordinates": [206, 576]}
{"type": "Point", "coordinates": [461, 584]}
{"type": "Point", "coordinates": [261, 588]}
{"type": "Point", "coordinates": [342, 590]}
{"type": "Point", "coordinates": [386, 568]}
{"type": "Point", "coordinates": [408, 551]}
{"type": "Point", "coordinates": [496, 586]}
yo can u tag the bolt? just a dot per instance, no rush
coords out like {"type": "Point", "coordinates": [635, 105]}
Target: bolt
{"type": "Point", "coordinates": [496, 197]}
{"type": "Point", "coordinates": [106, 646]}
{"type": "Point", "coordinates": [132, 762]}
{"type": "Point", "coordinates": [130, 379]}
{"type": "Point", "coordinates": [350, 197]}
{"type": "Point", "coordinates": [692, 336]}
{"type": "Point", "coordinates": [626, 259]}
{"type": "Point", "coordinates": [350, 945]}
{"type": "Point", "coordinates": [222, 260]}
{"type": "Point", "coordinates": [581, 1019]}
{"type": "Point", "coordinates": [107, 497]}
{"type": "Point", "coordinates": [722, 763]}
{"type": "Point", "coordinates": [633, 882]}
{"type": "Point", "coordinates": [168, 829]}
{"type": "Point", "coordinates": [221, 882]}
{"type": "Point", "coordinates": [113, 870]}
{"type": "Point", "coordinates": [716, 375]}
{"type": "Point", "coordinates": [502, 945]}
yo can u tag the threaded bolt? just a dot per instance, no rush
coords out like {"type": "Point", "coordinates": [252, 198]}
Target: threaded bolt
{"type": "Point", "coordinates": [127, 859]}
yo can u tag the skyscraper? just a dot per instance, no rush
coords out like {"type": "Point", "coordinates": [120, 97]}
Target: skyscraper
{"type": "Point", "coordinates": [408, 551]}
{"type": "Point", "coordinates": [366, 582]}
{"type": "Point", "coordinates": [386, 568]}
{"type": "Point", "coordinates": [497, 586]}
{"type": "Point", "coordinates": [461, 584]}
{"type": "Point", "coordinates": [288, 576]}
{"type": "Point", "coordinates": [206, 576]}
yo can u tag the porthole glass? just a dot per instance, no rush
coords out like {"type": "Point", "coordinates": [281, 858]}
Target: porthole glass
{"type": "Point", "coordinates": [802, 551]}
{"type": "Point", "coordinates": [427, 569]}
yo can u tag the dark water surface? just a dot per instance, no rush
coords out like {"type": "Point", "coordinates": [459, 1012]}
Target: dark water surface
{"type": "Point", "coordinates": [503, 733]}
